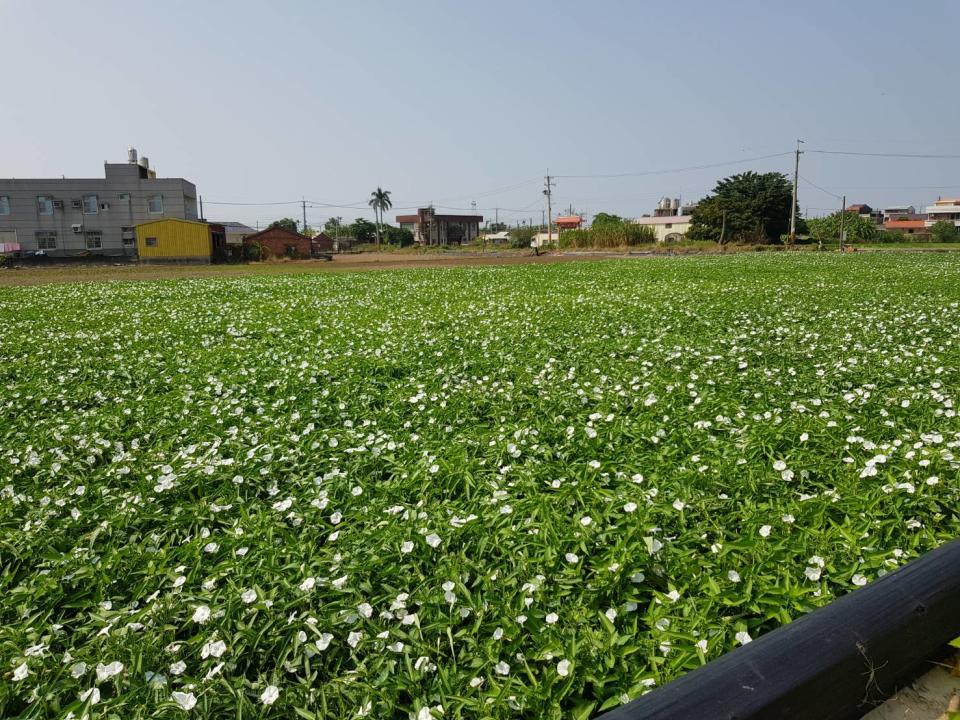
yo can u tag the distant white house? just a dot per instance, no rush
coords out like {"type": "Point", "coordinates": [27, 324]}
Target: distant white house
{"type": "Point", "coordinates": [944, 210]}
{"type": "Point", "coordinates": [503, 236]}
{"type": "Point", "coordinates": [668, 228]}
{"type": "Point", "coordinates": [541, 239]}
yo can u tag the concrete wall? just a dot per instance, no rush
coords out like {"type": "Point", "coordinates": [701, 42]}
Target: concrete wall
{"type": "Point", "coordinates": [126, 194]}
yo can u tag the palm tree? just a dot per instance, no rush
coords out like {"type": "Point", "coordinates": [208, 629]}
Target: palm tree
{"type": "Point", "coordinates": [380, 201]}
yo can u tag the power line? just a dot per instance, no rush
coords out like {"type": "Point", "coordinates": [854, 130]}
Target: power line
{"type": "Point", "coordinates": [679, 170]}
{"type": "Point", "coordinates": [930, 156]}
{"type": "Point", "coordinates": [824, 190]}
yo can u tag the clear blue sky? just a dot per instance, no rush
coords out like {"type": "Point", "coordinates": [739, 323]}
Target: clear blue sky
{"type": "Point", "coordinates": [451, 101]}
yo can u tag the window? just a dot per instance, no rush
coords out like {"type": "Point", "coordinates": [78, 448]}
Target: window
{"type": "Point", "coordinates": [668, 225]}
{"type": "Point", "coordinates": [156, 204]}
{"type": "Point", "coordinates": [46, 240]}
{"type": "Point", "coordinates": [123, 196]}
{"type": "Point", "coordinates": [90, 205]}
{"type": "Point", "coordinates": [150, 242]}
{"type": "Point", "coordinates": [94, 239]}
{"type": "Point", "coordinates": [128, 236]}
{"type": "Point", "coordinates": [4, 205]}
{"type": "Point", "coordinates": [44, 204]}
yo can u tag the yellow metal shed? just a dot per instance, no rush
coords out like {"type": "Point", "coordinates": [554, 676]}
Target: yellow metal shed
{"type": "Point", "coordinates": [174, 239]}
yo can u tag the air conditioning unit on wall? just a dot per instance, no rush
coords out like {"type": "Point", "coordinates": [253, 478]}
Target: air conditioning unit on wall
{"type": "Point", "coordinates": [58, 204]}
{"type": "Point", "coordinates": [77, 228]}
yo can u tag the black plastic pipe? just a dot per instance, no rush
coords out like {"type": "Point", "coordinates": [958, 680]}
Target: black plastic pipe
{"type": "Point", "coordinates": [834, 663]}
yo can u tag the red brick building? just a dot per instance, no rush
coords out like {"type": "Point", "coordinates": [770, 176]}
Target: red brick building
{"type": "Point", "coordinates": [278, 242]}
{"type": "Point", "coordinates": [322, 243]}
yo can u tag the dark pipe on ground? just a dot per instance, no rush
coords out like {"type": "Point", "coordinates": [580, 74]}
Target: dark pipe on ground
{"type": "Point", "coordinates": [832, 664]}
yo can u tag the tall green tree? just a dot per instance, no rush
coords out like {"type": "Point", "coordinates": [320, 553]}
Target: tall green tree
{"type": "Point", "coordinates": [380, 202]}
{"type": "Point", "coordinates": [749, 207]}
{"type": "Point", "coordinates": [334, 225]}
{"type": "Point", "coordinates": [362, 230]}
{"type": "Point", "coordinates": [855, 227]}
{"type": "Point", "coordinates": [285, 223]}
{"type": "Point", "coordinates": [944, 231]}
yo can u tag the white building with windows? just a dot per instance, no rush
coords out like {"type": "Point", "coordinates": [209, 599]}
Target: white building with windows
{"type": "Point", "coordinates": [944, 210]}
{"type": "Point", "coordinates": [667, 228]}
{"type": "Point", "coordinates": [66, 216]}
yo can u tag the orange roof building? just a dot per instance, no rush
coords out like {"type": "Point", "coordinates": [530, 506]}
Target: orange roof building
{"type": "Point", "coordinates": [568, 222]}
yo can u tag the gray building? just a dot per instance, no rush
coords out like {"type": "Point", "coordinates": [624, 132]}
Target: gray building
{"type": "Point", "coordinates": [67, 216]}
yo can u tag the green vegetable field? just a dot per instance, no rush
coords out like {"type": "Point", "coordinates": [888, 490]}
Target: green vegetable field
{"type": "Point", "coordinates": [524, 492]}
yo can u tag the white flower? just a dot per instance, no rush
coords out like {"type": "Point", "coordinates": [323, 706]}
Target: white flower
{"type": "Point", "coordinates": [765, 531]}
{"type": "Point", "coordinates": [859, 580]}
{"type": "Point", "coordinates": [563, 668]}
{"type": "Point", "coordinates": [673, 595]}
{"type": "Point", "coordinates": [365, 609]}
{"type": "Point", "coordinates": [611, 614]}
{"type": "Point", "coordinates": [409, 619]}
{"type": "Point", "coordinates": [571, 557]}
{"type": "Point", "coordinates": [269, 695]}
{"type": "Point", "coordinates": [178, 667]}
{"type": "Point", "coordinates": [433, 540]}
{"type": "Point", "coordinates": [105, 672]}
{"type": "Point", "coordinates": [353, 639]}
{"type": "Point", "coordinates": [788, 519]}
{"type": "Point", "coordinates": [407, 546]}
{"type": "Point", "coordinates": [211, 547]}
{"type": "Point", "coordinates": [340, 582]}
{"type": "Point", "coordinates": [586, 520]}
{"type": "Point", "coordinates": [324, 641]}
{"type": "Point", "coordinates": [201, 614]}
{"type": "Point", "coordinates": [185, 700]}
{"type": "Point", "coordinates": [701, 645]}
{"type": "Point", "coordinates": [93, 695]}
{"type": "Point", "coordinates": [501, 668]}
{"type": "Point", "coordinates": [434, 469]}
{"type": "Point", "coordinates": [630, 507]}
{"type": "Point", "coordinates": [396, 647]}
{"type": "Point", "coordinates": [20, 672]}
{"type": "Point", "coordinates": [476, 682]}
{"type": "Point", "coordinates": [733, 576]}
{"type": "Point", "coordinates": [249, 596]}
{"type": "Point", "coordinates": [679, 504]}
{"type": "Point", "coordinates": [552, 618]}
{"type": "Point", "coordinates": [779, 466]}
{"type": "Point", "coordinates": [812, 573]}
{"type": "Point", "coordinates": [743, 637]}
{"type": "Point", "coordinates": [78, 669]}
{"type": "Point", "coordinates": [424, 714]}
{"type": "Point", "coordinates": [213, 649]}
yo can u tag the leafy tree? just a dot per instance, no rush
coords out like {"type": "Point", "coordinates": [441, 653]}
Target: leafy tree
{"type": "Point", "coordinates": [285, 223]}
{"type": "Point", "coordinates": [749, 207]}
{"type": "Point", "coordinates": [855, 227]}
{"type": "Point", "coordinates": [363, 231]}
{"type": "Point", "coordinates": [602, 218]}
{"type": "Point", "coordinates": [944, 231]}
{"type": "Point", "coordinates": [380, 201]}
{"type": "Point", "coordinates": [401, 237]}
{"type": "Point", "coordinates": [496, 227]}
{"type": "Point", "coordinates": [333, 226]}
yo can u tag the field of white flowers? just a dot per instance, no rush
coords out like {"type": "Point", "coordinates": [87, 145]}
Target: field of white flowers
{"type": "Point", "coordinates": [527, 492]}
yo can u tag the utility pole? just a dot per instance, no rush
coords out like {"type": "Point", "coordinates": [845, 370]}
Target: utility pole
{"type": "Point", "coordinates": [201, 208]}
{"type": "Point", "coordinates": [304, 202]}
{"type": "Point", "coordinates": [496, 222]}
{"type": "Point", "coordinates": [543, 217]}
{"type": "Point", "coordinates": [548, 191]}
{"type": "Point", "coordinates": [793, 206]}
{"type": "Point", "coordinates": [843, 214]}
